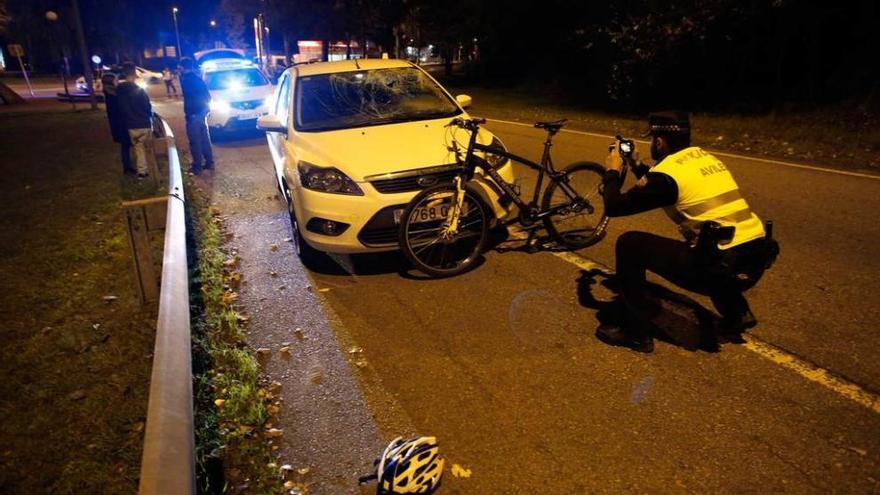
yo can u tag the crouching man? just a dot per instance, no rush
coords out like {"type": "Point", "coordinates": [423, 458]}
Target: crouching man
{"type": "Point", "coordinates": [726, 247]}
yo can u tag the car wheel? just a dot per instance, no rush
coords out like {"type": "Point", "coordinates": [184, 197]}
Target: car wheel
{"type": "Point", "coordinates": [310, 257]}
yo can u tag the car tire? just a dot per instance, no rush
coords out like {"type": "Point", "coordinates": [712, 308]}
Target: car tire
{"type": "Point", "coordinates": [310, 257]}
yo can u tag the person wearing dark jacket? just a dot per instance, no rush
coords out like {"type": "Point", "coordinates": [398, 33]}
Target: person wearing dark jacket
{"type": "Point", "coordinates": [137, 114]}
{"type": "Point", "coordinates": [117, 126]}
{"type": "Point", "coordinates": [196, 105]}
{"type": "Point", "coordinates": [726, 246]}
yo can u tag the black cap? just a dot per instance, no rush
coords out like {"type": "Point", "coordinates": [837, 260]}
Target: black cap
{"type": "Point", "coordinates": [666, 123]}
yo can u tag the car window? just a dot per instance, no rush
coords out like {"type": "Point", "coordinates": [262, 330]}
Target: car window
{"type": "Point", "coordinates": [283, 102]}
{"type": "Point", "coordinates": [235, 79]}
{"type": "Point", "coordinates": [371, 97]}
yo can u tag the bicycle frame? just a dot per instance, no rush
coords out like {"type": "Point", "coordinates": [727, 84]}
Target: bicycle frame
{"type": "Point", "coordinates": [471, 161]}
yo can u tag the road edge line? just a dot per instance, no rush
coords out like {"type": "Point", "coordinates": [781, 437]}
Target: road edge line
{"type": "Point", "coordinates": [716, 152]}
{"type": "Point", "coordinates": [813, 373]}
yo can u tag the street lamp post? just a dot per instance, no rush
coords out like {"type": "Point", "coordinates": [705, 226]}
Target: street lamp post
{"type": "Point", "coordinates": [214, 33]}
{"type": "Point", "coordinates": [52, 17]}
{"type": "Point", "coordinates": [174, 11]}
{"type": "Point", "coordinates": [84, 56]}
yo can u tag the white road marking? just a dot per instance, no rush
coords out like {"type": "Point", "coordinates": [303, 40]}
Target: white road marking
{"type": "Point", "coordinates": [714, 152]}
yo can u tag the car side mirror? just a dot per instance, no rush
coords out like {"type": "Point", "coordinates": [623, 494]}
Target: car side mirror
{"type": "Point", "coordinates": [270, 123]}
{"type": "Point", "coordinates": [464, 101]}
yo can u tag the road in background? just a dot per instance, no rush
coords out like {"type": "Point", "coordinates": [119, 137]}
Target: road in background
{"type": "Point", "coordinates": [502, 366]}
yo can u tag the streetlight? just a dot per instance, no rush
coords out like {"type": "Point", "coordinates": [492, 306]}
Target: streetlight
{"type": "Point", "coordinates": [174, 11]}
{"type": "Point", "coordinates": [52, 17]}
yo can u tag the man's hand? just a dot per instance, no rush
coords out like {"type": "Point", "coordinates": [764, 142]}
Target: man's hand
{"type": "Point", "coordinates": [614, 161]}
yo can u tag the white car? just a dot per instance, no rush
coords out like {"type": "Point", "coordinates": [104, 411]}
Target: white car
{"type": "Point", "coordinates": [354, 141]}
{"type": "Point", "coordinates": [240, 93]}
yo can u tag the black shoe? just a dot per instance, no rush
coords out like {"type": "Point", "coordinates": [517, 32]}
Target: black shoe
{"type": "Point", "coordinates": [209, 166]}
{"type": "Point", "coordinates": [129, 171]}
{"type": "Point", "coordinates": [617, 336]}
{"type": "Point", "coordinates": [738, 324]}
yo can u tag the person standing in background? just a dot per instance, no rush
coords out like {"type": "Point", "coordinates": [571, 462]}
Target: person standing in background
{"type": "Point", "coordinates": [137, 114]}
{"type": "Point", "coordinates": [117, 125]}
{"type": "Point", "coordinates": [196, 105]}
{"type": "Point", "coordinates": [168, 77]}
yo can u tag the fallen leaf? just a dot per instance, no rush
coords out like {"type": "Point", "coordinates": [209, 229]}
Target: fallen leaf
{"type": "Point", "coordinates": [303, 471]}
{"type": "Point", "coordinates": [138, 427]}
{"type": "Point", "coordinates": [273, 410]}
{"type": "Point", "coordinates": [77, 395]}
{"type": "Point", "coordinates": [229, 298]}
{"type": "Point", "coordinates": [288, 485]}
{"type": "Point", "coordinates": [861, 452]}
{"type": "Point", "coordinates": [299, 333]}
{"type": "Point", "coordinates": [220, 402]}
{"type": "Point", "coordinates": [288, 239]}
{"type": "Point", "coordinates": [271, 465]}
{"type": "Point", "coordinates": [273, 273]}
{"type": "Point", "coordinates": [460, 472]}
{"type": "Point", "coordinates": [274, 387]}
{"type": "Point", "coordinates": [274, 433]}
{"type": "Point", "coordinates": [361, 363]}
{"type": "Point", "coordinates": [273, 247]}
{"type": "Point", "coordinates": [284, 350]}
{"type": "Point", "coordinates": [287, 467]}
{"type": "Point", "coordinates": [325, 289]}
{"type": "Point", "coordinates": [355, 350]}
{"type": "Point", "coordinates": [109, 298]}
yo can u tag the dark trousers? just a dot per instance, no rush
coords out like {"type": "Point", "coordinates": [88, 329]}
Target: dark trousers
{"type": "Point", "coordinates": [125, 154]}
{"type": "Point", "coordinates": [678, 262]}
{"type": "Point", "coordinates": [199, 141]}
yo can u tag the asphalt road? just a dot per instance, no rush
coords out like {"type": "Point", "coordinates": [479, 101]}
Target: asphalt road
{"type": "Point", "coordinates": [502, 366]}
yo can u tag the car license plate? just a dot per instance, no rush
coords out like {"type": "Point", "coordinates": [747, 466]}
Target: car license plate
{"type": "Point", "coordinates": [425, 213]}
{"type": "Point", "coordinates": [249, 116]}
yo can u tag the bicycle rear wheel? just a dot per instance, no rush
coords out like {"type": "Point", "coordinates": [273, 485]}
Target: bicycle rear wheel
{"type": "Point", "coordinates": [426, 240]}
{"type": "Point", "coordinates": [581, 220]}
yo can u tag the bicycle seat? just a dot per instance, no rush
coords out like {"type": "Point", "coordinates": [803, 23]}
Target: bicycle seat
{"type": "Point", "coordinates": [553, 126]}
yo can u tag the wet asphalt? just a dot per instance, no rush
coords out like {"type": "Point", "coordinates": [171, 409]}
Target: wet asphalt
{"type": "Point", "coordinates": [501, 364]}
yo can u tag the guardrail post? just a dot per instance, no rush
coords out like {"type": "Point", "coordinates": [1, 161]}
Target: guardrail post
{"type": "Point", "coordinates": [139, 240]}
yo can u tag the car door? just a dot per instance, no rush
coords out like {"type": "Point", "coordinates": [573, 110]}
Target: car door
{"type": "Point", "coordinates": [277, 139]}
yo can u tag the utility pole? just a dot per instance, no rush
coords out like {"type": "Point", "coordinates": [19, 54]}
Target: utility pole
{"type": "Point", "coordinates": [84, 55]}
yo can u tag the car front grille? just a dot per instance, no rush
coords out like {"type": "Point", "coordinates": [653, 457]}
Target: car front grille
{"type": "Point", "coordinates": [412, 180]}
{"type": "Point", "coordinates": [381, 229]}
{"type": "Point", "coordinates": [246, 105]}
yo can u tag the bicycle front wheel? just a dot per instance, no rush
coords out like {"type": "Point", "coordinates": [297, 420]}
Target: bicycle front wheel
{"type": "Point", "coordinates": [580, 220]}
{"type": "Point", "coordinates": [428, 240]}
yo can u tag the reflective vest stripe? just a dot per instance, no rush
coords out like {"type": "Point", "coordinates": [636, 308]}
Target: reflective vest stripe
{"type": "Point", "coordinates": [737, 216]}
{"type": "Point", "coordinates": [712, 203]}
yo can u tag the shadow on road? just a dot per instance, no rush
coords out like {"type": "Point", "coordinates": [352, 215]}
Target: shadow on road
{"type": "Point", "coordinates": [679, 320]}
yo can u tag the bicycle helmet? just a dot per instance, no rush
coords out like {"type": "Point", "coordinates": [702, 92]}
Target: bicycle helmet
{"type": "Point", "coordinates": [409, 466]}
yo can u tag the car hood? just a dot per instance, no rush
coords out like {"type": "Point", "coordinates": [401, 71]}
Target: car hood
{"type": "Point", "coordinates": [381, 149]}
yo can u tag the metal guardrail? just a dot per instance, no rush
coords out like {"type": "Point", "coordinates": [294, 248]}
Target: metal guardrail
{"type": "Point", "coordinates": [168, 462]}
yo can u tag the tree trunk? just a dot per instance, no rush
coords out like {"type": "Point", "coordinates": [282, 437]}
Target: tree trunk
{"type": "Point", "coordinates": [325, 51]}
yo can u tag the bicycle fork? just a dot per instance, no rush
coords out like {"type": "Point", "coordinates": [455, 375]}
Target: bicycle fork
{"type": "Point", "coordinates": [451, 227]}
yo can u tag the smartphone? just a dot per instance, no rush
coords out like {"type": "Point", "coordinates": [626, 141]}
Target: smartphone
{"type": "Point", "coordinates": [626, 147]}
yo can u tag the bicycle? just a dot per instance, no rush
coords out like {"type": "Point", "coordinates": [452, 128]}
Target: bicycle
{"type": "Point", "coordinates": [444, 228]}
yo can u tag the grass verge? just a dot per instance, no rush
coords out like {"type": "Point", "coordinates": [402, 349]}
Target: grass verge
{"type": "Point", "coordinates": [75, 344]}
{"type": "Point", "coordinates": [233, 402]}
{"type": "Point", "coordinates": [842, 136]}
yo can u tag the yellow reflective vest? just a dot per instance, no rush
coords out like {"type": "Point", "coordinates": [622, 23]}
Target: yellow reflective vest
{"type": "Point", "coordinates": [707, 191]}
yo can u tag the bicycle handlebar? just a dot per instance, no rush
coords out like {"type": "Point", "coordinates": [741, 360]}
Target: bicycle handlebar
{"type": "Point", "coordinates": [472, 123]}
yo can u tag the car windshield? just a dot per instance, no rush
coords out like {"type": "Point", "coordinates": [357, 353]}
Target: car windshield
{"type": "Point", "coordinates": [372, 97]}
{"type": "Point", "coordinates": [235, 79]}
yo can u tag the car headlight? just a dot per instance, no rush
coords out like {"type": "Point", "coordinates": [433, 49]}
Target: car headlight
{"type": "Point", "coordinates": [269, 101]}
{"type": "Point", "coordinates": [219, 106]}
{"type": "Point", "coordinates": [496, 160]}
{"type": "Point", "coordinates": [327, 179]}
